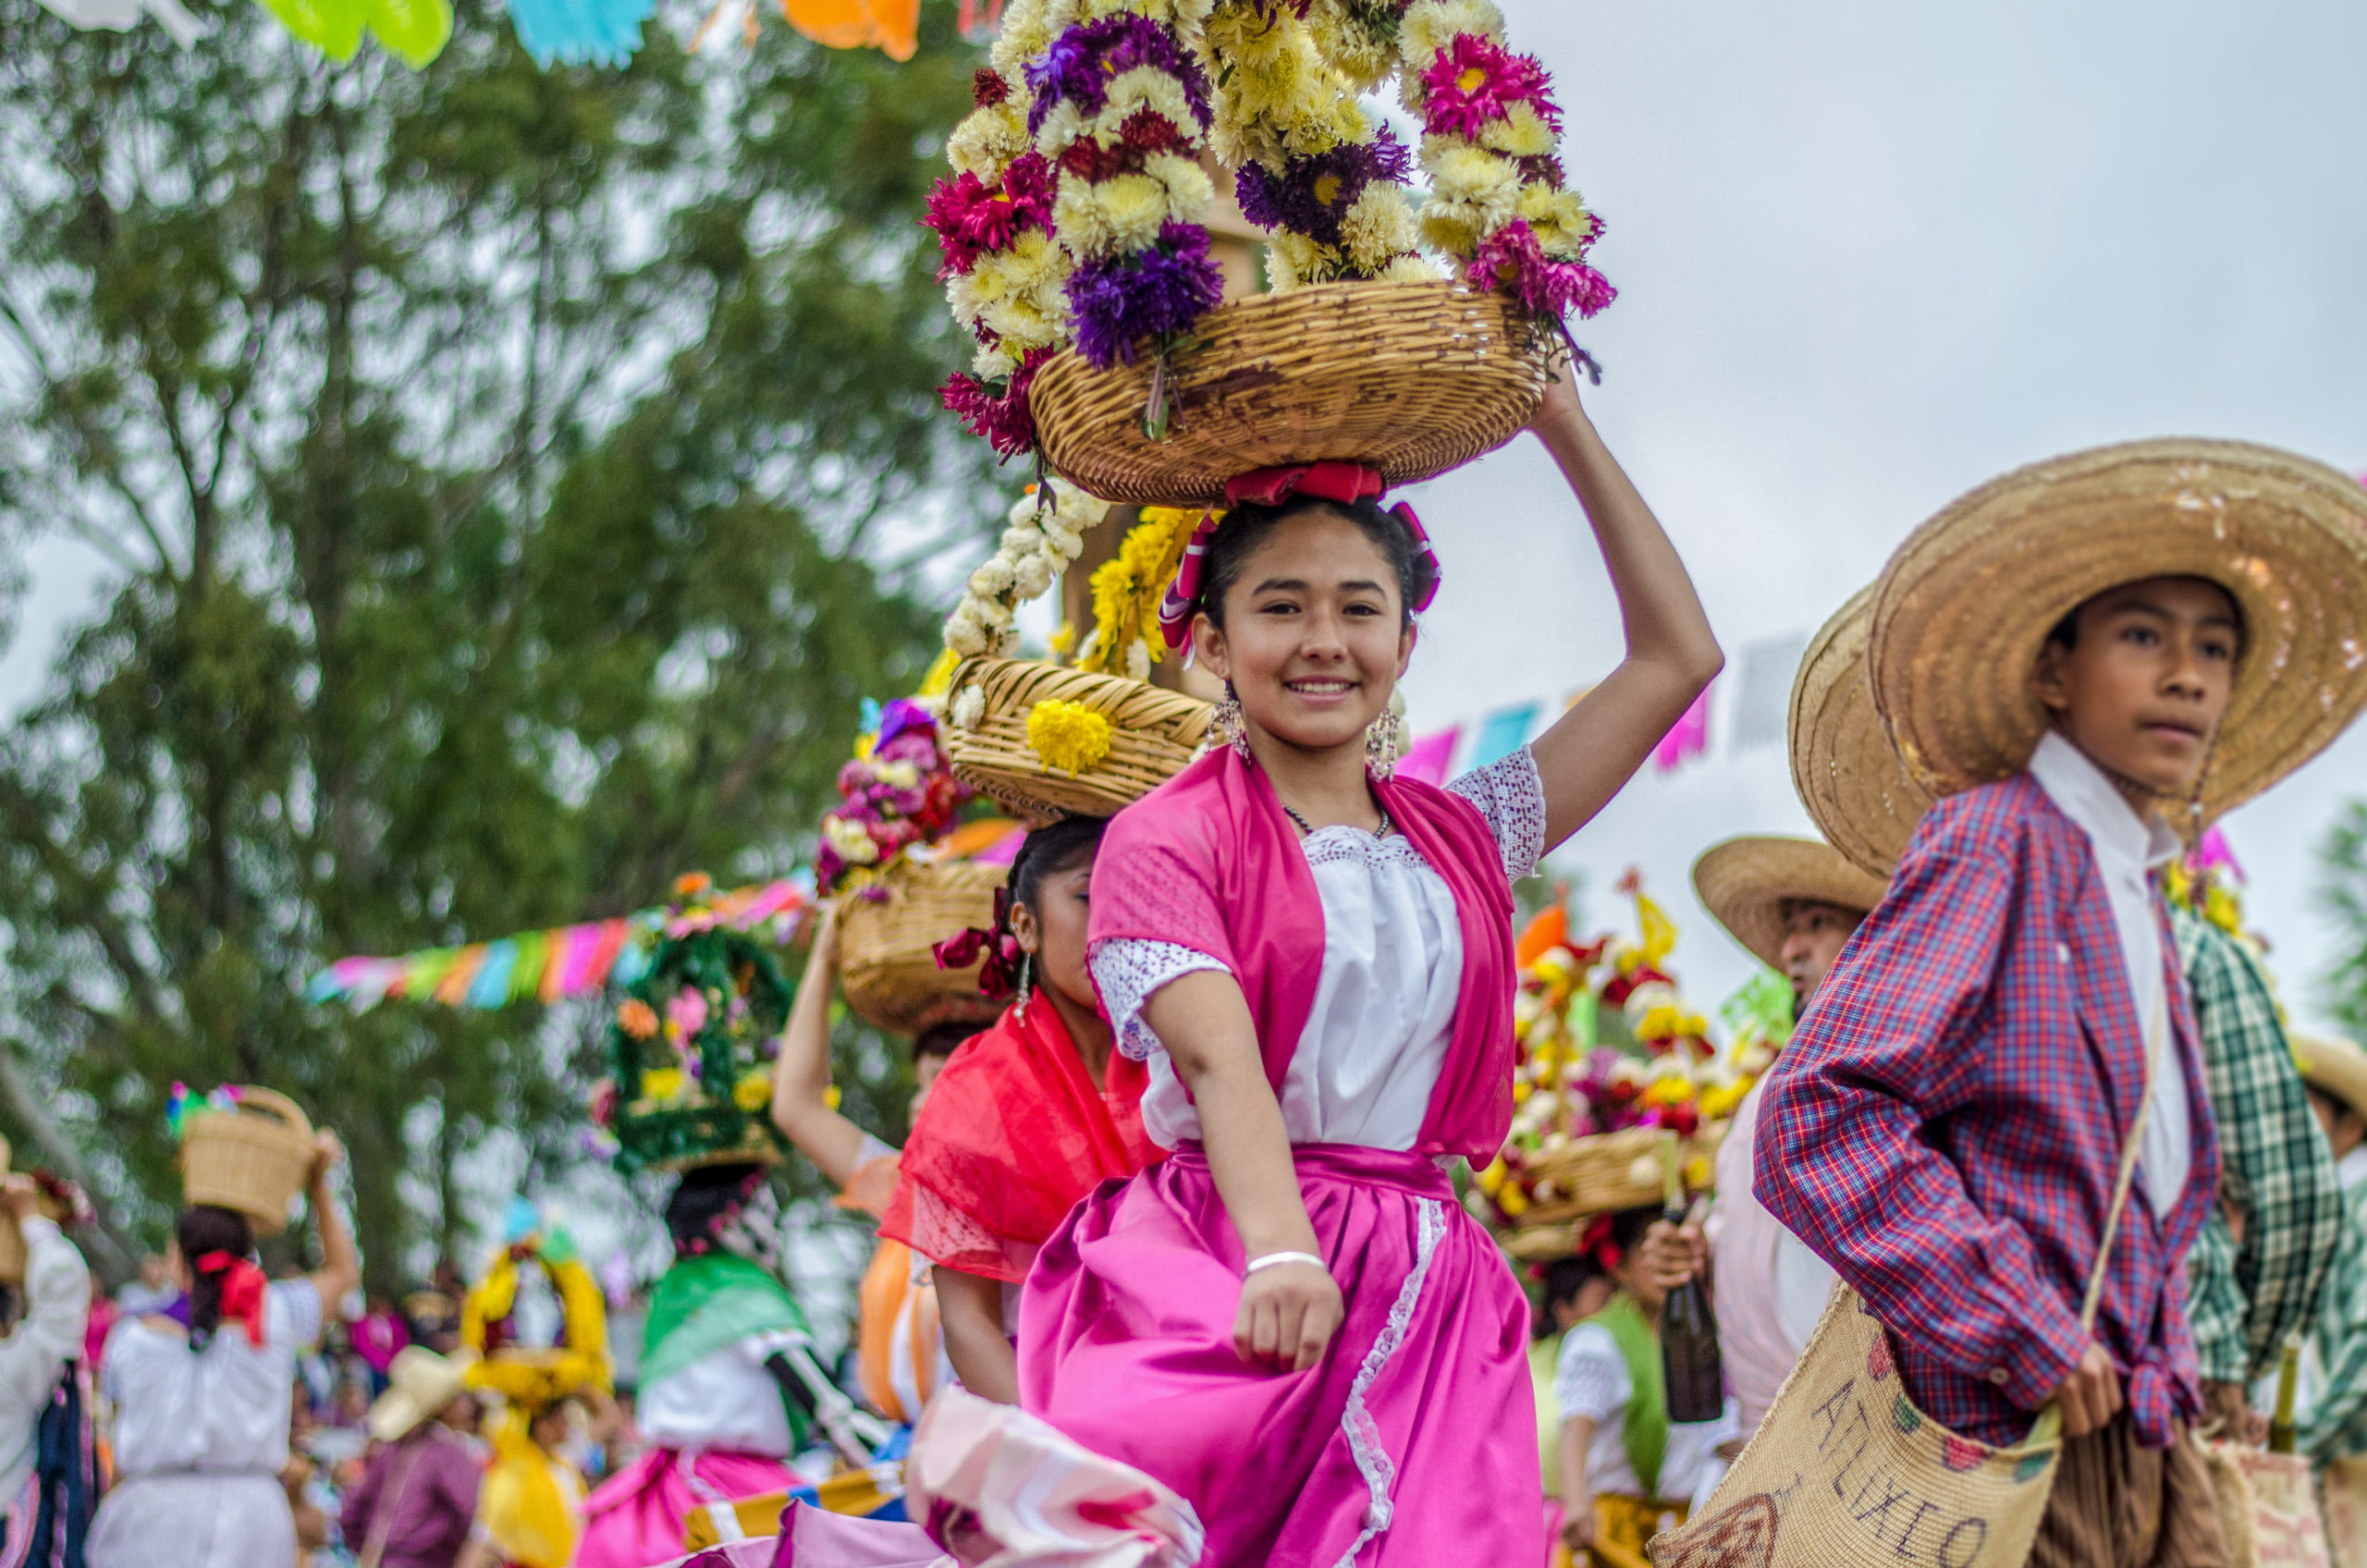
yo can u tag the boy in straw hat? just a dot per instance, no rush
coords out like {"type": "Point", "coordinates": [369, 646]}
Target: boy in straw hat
{"type": "Point", "coordinates": [1794, 903]}
{"type": "Point", "coordinates": [2077, 659]}
{"type": "Point", "coordinates": [2335, 1071]}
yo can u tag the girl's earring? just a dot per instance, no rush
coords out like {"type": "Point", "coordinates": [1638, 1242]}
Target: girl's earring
{"type": "Point", "coordinates": [1226, 729]}
{"type": "Point", "coordinates": [1384, 739]}
{"type": "Point", "coordinates": [1026, 980]}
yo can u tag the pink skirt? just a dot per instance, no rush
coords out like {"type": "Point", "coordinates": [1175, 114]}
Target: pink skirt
{"type": "Point", "coordinates": [1414, 1441]}
{"type": "Point", "coordinates": [636, 1517]}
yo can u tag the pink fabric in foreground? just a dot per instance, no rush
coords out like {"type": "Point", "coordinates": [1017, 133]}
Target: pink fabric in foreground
{"type": "Point", "coordinates": [1000, 1488]}
{"type": "Point", "coordinates": [815, 1537]}
{"type": "Point", "coordinates": [636, 1516]}
{"type": "Point", "coordinates": [1413, 1444]}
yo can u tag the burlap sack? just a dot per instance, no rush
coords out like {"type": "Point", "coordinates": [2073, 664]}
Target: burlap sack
{"type": "Point", "coordinates": [1845, 1472]}
{"type": "Point", "coordinates": [2268, 1510]}
{"type": "Point", "coordinates": [2346, 1511]}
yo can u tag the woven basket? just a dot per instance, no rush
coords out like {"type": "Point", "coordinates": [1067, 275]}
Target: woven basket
{"type": "Point", "coordinates": [1609, 1171]}
{"type": "Point", "coordinates": [254, 1159]}
{"type": "Point", "coordinates": [1409, 378]}
{"type": "Point", "coordinates": [1153, 733]}
{"type": "Point", "coordinates": [886, 970]}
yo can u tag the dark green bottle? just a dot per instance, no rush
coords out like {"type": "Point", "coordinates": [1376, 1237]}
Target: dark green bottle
{"type": "Point", "coordinates": [1689, 1364]}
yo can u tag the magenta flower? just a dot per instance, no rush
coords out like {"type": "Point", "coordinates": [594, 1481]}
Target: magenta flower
{"type": "Point", "coordinates": [687, 1011]}
{"type": "Point", "coordinates": [997, 413]}
{"type": "Point", "coordinates": [1474, 81]}
{"type": "Point", "coordinates": [1511, 261]}
{"type": "Point", "coordinates": [972, 218]}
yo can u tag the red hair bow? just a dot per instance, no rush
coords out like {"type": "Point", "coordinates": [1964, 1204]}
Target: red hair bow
{"type": "Point", "coordinates": [242, 1291]}
{"type": "Point", "coordinates": [1597, 1242]}
{"type": "Point", "coordinates": [998, 975]}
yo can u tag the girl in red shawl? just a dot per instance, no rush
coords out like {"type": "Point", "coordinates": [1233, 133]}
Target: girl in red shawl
{"type": "Point", "coordinates": [1288, 1343]}
{"type": "Point", "coordinates": [1026, 1118]}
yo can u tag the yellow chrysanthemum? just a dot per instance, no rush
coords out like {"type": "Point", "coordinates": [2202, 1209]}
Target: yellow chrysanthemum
{"type": "Point", "coordinates": [663, 1084]}
{"type": "Point", "coordinates": [988, 139]}
{"type": "Point", "coordinates": [1128, 587]}
{"type": "Point", "coordinates": [1522, 133]}
{"type": "Point", "coordinates": [753, 1093]}
{"type": "Point", "coordinates": [1067, 736]}
{"type": "Point", "coordinates": [1130, 207]}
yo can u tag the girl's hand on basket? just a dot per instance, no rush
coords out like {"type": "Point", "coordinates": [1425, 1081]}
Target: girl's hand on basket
{"type": "Point", "coordinates": [1561, 404]}
{"type": "Point", "coordinates": [328, 1153]}
{"type": "Point", "coordinates": [1288, 1315]}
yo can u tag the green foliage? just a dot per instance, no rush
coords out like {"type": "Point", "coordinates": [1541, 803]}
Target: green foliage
{"type": "Point", "coordinates": [505, 472]}
{"type": "Point", "coordinates": [2342, 864]}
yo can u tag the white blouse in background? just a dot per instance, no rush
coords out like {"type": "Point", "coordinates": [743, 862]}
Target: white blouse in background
{"type": "Point", "coordinates": [727, 1399]}
{"type": "Point", "coordinates": [220, 1409]}
{"type": "Point", "coordinates": [1375, 1037]}
{"type": "Point", "coordinates": [1590, 1380]}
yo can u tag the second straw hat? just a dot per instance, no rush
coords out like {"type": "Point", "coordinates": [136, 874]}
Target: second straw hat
{"type": "Point", "coordinates": [1967, 602]}
{"type": "Point", "coordinates": [1746, 882]}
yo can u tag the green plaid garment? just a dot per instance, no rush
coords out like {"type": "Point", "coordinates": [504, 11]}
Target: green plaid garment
{"type": "Point", "coordinates": [2276, 1170]}
{"type": "Point", "coordinates": [2336, 1423]}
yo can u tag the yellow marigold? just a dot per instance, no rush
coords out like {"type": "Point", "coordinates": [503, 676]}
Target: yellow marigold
{"type": "Point", "coordinates": [1128, 587]}
{"type": "Point", "coordinates": [663, 1084]}
{"type": "Point", "coordinates": [636, 1018]}
{"type": "Point", "coordinates": [1067, 736]}
{"type": "Point", "coordinates": [753, 1093]}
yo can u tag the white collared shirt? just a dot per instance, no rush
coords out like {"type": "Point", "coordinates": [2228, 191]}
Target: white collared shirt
{"type": "Point", "coordinates": [2129, 850]}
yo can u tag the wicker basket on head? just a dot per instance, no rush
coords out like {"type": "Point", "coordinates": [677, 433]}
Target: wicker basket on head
{"type": "Point", "coordinates": [1153, 733]}
{"type": "Point", "coordinates": [1409, 378]}
{"type": "Point", "coordinates": [1609, 1171]}
{"type": "Point", "coordinates": [886, 968]}
{"type": "Point", "coordinates": [14, 1255]}
{"type": "Point", "coordinates": [254, 1159]}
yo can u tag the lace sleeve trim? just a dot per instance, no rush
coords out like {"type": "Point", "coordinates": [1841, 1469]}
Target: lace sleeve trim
{"type": "Point", "coordinates": [1511, 797]}
{"type": "Point", "coordinates": [1128, 970]}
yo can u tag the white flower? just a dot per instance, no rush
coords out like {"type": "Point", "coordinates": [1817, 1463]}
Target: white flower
{"type": "Point", "coordinates": [1034, 576]}
{"type": "Point", "coordinates": [1139, 660]}
{"type": "Point", "coordinates": [964, 633]}
{"type": "Point", "coordinates": [898, 775]}
{"type": "Point", "coordinates": [993, 577]}
{"type": "Point", "coordinates": [855, 845]}
{"type": "Point", "coordinates": [992, 614]}
{"type": "Point", "coordinates": [969, 707]}
{"type": "Point", "coordinates": [1412, 268]}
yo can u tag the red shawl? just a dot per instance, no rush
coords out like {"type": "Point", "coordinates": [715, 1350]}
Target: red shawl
{"type": "Point", "coordinates": [1209, 861]}
{"type": "Point", "coordinates": [1012, 1134]}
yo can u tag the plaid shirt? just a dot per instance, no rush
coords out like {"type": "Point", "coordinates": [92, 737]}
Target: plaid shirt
{"type": "Point", "coordinates": [2274, 1169]}
{"type": "Point", "coordinates": [1947, 1125]}
{"type": "Point", "coordinates": [2336, 1423]}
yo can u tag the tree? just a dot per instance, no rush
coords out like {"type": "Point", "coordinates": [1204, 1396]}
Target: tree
{"type": "Point", "coordinates": [515, 479]}
{"type": "Point", "coordinates": [2343, 862]}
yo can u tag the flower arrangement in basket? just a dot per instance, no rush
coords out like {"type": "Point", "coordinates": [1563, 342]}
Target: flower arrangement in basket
{"type": "Point", "coordinates": [536, 1377]}
{"type": "Point", "coordinates": [1611, 1057]}
{"type": "Point", "coordinates": [1075, 247]}
{"type": "Point", "coordinates": [1046, 739]}
{"type": "Point", "coordinates": [896, 793]}
{"type": "Point", "coordinates": [693, 1042]}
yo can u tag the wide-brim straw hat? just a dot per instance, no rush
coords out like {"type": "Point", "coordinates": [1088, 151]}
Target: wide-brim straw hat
{"type": "Point", "coordinates": [1966, 603]}
{"type": "Point", "coordinates": [1847, 773]}
{"type": "Point", "coordinates": [2333, 1066]}
{"type": "Point", "coordinates": [419, 1383]}
{"type": "Point", "coordinates": [1746, 882]}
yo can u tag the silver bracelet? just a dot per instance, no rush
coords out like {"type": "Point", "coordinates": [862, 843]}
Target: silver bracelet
{"type": "Point", "coordinates": [1274, 1260]}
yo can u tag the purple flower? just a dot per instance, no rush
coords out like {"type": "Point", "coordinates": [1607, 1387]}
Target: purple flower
{"type": "Point", "coordinates": [1312, 194]}
{"type": "Point", "coordinates": [1078, 68]}
{"type": "Point", "coordinates": [1119, 300]}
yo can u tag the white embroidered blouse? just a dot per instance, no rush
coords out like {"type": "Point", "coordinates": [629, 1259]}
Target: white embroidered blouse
{"type": "Point", "coordinates": [1375, 1037]}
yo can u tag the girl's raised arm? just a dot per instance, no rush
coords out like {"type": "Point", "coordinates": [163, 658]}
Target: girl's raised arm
{"type": "Point", "coordinates": [802, 1071]}
{"type": "Point", "coordinates": [1591, 752]}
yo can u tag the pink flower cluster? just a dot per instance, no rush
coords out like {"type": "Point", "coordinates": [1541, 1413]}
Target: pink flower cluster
{"type": "Point", "coordinates": [1474, 81]}
{"type": "Point", "coordinates": [903, 793]}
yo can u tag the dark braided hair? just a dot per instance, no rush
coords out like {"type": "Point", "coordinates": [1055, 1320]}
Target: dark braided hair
{"type": "Point", "coordinates": [704, 1200]}
{"type": "Point", "coordinates": [1054, 847]}
{"type": "Point", "coordinates": [1249, 525]}
{"type": "Point", "coordinates": [205, 1229]}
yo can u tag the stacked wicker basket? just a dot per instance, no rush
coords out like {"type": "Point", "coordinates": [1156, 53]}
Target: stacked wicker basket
{"type": "Point", "coordinates": [255, 1157]}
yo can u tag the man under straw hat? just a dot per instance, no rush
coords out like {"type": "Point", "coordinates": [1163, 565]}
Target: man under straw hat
{"type": "Point", "coordinates": [2061, 655]}
{"type": "Point", "coordinates": [418, 1497]}
{"type": "Point", "coordinates": [2335, 1424]}
{"type": "Point", "coordinates": [2249, 1286]}
{"type": "Point", "coordinates": [1794, 903]}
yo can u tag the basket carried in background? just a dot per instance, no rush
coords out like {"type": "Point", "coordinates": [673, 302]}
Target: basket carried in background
{"type": "Point", "coordinates": [1145, 737]}
{"type": "Point", "coordinates": [1409, 379]}
{"type": "Point", "coordinates": [887, 971]}
{"type": "Point", "coordinates": [248, 1149]}
{"type": "Point", "coordinates": [14, 1255]}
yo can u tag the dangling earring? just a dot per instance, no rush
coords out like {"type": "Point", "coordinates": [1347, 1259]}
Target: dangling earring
{"type": "Point", "coordinates": [1383, 739]}
{"type": "Point", "coordinates": [1226, 728]}
{"type": "Point", "coordinates": [1026, 981]}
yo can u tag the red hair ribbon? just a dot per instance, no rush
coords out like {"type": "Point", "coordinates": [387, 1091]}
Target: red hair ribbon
{"type": "Point", "coordinates": [242, 1291]}
{"type": "Point", "coordinates": [1597, 1242]}
{"type": "Point", "coordinates": [1343, 484]}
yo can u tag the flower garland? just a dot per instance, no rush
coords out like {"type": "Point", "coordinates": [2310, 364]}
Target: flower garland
{"type": "Point", "coordinates": [1120, 105]}
{"type": "Point", "coordinates": [897, 791]}
{"type": "Point", "coordinates": [534, 1377]}
{"type": "Point", "coordinates": [1310, 166]}
{"type": "Point", "coordinates": [1127, 588]}
{"type": "Point", "coordinates": [1498, 202]}
{"type": "Point", "coordinates": [1003, 271]}
{"type": "Point", "coordinates": [1040, 541]}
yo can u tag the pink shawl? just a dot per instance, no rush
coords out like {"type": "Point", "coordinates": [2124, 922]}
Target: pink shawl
{"type": "Point", "coordinates": [1209, 862]}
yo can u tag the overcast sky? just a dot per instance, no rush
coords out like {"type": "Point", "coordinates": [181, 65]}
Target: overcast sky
{"type": "Point", "coordinates": [1868, 255]}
